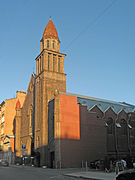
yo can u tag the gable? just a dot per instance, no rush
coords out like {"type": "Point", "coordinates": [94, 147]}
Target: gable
{"type": "Point", "coordinates": [110, 113]}
{"type": "Point", "coordinates": [97, 110]}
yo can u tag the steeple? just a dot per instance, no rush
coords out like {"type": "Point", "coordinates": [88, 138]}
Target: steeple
{"type": "Point", "coordinates": [50, 39]}
{"type": "Point", "coordinates": [50, 31]}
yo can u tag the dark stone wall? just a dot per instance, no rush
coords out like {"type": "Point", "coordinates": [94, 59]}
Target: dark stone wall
{"type": "Point", "coordinates": [91, 145]}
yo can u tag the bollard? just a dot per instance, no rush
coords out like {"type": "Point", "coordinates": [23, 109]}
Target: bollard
{"type": "Point", "coordinates": [82, 165]}
{"type": "Point", "coordinates": [86, 165]}
{"type": "Point", "coordinates": [60, 164]}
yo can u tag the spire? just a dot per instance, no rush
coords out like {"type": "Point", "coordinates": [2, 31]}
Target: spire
{"type": "Point", "coordinates": [18, 105]}
{"type": "Point", "coordinates": [50, 31]}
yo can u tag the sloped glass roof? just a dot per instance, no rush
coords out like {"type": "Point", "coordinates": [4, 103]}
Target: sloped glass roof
{"type": "Point", "coordinates": [102, 103]}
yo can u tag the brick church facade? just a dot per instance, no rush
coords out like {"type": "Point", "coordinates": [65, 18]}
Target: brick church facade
{"type": "Point", "coordinates": [64, 128]}
{"type": "Point", "coordinates": [49, 79]}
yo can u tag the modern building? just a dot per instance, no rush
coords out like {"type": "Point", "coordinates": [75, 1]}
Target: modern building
{"type": "Point", "coordinates": [85, 129]}
{"type": "Point", "coordinates": [67, 129]}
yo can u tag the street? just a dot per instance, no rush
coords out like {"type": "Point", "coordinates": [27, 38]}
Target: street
{"type": "Point", "coordinates": [32, 173]}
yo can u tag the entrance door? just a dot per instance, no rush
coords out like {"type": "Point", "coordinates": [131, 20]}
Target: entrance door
{"type": "Point", "coordinates": [52, 159]}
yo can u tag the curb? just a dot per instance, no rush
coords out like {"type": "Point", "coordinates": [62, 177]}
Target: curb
{"type": "Point", "coordinates": [81, 177]}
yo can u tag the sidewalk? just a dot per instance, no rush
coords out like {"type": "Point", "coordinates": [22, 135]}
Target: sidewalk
{"type": "Point", "coordinates": [77, 173]}
{"type": "Point", "coordinates": [93, 175]}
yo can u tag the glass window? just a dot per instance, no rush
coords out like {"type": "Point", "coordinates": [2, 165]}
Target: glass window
{"type": "Point", "coordinates": [54, 57]}
{"type": "Point", "coordinates": [53, 44]}
{"type": "Point", "coordinates": [47, 43]}
{"type": "Point", "coordinates": [58, 64]}
{"type": "Point", "coordinates": [123, 124]}
{"type": "Point", "coordinates": [110, 126]}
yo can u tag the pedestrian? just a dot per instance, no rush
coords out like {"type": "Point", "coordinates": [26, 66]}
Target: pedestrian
{"type": "Point", "coordinates": [124, 163]}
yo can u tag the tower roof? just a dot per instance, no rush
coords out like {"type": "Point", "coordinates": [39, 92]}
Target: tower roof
{"type": "Point", "coordinates": [18, 105]}
{"type": "Point", "coordinates": [50, 31]}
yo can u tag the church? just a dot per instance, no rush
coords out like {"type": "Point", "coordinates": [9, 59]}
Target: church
{"type": "Point", "coordinates": [67, 129]}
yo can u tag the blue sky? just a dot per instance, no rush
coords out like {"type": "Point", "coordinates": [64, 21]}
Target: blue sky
{"type": "Point", "coordinates": [100, 61]}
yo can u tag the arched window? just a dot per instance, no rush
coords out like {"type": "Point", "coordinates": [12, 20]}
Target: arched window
{"type": "Point", "coordinates": [109, 126]}
{"type": "Point", "coordinates": [132, 127]}
{"type": "Point", "coordinates": [53, 44]}
{"type": "Point", "coordinates": [123, 124]}
{"type": "Point", "coordinates": [47, 43]}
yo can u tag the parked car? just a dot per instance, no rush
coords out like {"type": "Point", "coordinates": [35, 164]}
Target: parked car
{"type": "Point", "coordinates": [4, 163]}
{"type": "Point", "coordinates": [126, 175]}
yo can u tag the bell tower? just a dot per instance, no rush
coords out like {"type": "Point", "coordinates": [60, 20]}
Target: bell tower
{"type": "Point", "coordinates": [50, 78]}
{"type": "Point", "coordinates": [50, 59]}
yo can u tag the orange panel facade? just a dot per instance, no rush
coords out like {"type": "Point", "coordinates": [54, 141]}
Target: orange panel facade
{"type": "Point", "coordinates": [69, 117]}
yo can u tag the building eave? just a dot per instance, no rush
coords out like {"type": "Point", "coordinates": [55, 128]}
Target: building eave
{"type": "Point", "coordinates": [51, 52]}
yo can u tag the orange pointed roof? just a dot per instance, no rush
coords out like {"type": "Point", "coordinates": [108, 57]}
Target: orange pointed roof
{"type": "Point", "coordinates": [18, 105]}
{"type": "Point", "coordinates": [50, 31]}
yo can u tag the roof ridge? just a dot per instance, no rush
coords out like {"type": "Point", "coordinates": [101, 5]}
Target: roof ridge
{"type": "Point", "coordinates": [97, 99]}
